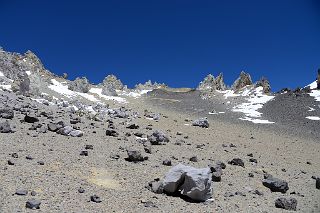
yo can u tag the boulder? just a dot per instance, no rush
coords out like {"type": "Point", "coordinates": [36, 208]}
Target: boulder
{"type": "Point", "coordinates": [318, 183]}
{"type": "Point", "coordinates": [80, 85]}
{"type": "Point", "coordinates": [33, 204]}
{"type": "Point", "coordinates": [76, 133]}
{"type": "Point", "coordinates": [275, 184]}
{"type": "Point", "coordinates": [201, 122]}
{"type": "Point", "coordinates": [111, 132]}
{"type": "Point", "coordinates": [189, 181]}
{"type": "Point", "coordinates": [286, 203]}
{"type": "Point", "coordinates": [243, 80]}
{"type": "Point", "coordinates": [30, 118]}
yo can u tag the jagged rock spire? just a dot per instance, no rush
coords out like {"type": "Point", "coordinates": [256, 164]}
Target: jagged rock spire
{"type": "Point", "coordinates": [318, 79]}
{"type": "Point", "coordinates": [265, 84]}
{"type": "Point", "coordinates": [243, 80]}
{"type": "Point", "coordinates": [211, 83]}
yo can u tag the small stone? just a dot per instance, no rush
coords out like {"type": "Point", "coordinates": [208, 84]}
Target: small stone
{"type": "Point", "coordinates": [237, 162]}
{"type": "Point", "coordinates": [201, 122]}
{"type": "Point", "coordinates": [81, 190]}
{"type": "Point", "coordinates": [286, 203]}
{"type": "Point", "coordinates": [95, 198]}
{"type": "Point", "coordinates": [167, 162]}
{"type": "Point", "coordinates": [251, 175]}
{"type": "Point", "coordinates": [33, 193]}
{"type": "Point", "coordinates": [40, 162]}
{"type": "Point", "coordinates": [21, 192]}
{"type": "Point", "coordinates": [33, 204]}
{"type": "Point", "coordinates": [253, 160]}
{"type": "Point", "coordinates": [111, 132]}
{"type": "Point", "coordinates": [132, 126]}
{"type": "Point", "coordinates": [134, 156]}
{"type": "Point", "coordinates": [14, 155]}
{"type": "Point", "coordinates": [194, 159]}
{"type": "Point", "coordinates": [10, 162]}
{"type": "Point", "coordinates": [84, 153]}
{"type": "Point", "coordinates": [88, 146]}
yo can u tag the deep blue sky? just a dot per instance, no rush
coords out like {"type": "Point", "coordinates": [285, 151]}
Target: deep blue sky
{"type": "Point", "coordinates": [176, 42]}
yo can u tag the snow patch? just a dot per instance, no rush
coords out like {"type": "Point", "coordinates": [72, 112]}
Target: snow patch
{"type": "Point", "coordinates": [7, 87]}
{"type": "Point", "coordinates": [313, 85]}
{"type": "Point", "coordinates": [255, 102]}
{"type": "Point", "coordinates": [311, 109]}
{"type": "Point", "coordinates": [314, 118]}
{"type": "Point", "coordinates": [136, 94]}
{"type": "Point", "coordinates": [315, 94]}
{"type": "Point", "coordinates": [256, 121]}
{"type": "Point", "coordinates": [98, 91]}
{"type": "Point", "coordinates": [1, 74]}
{"type": "Point", "coordinates": [28, 72]}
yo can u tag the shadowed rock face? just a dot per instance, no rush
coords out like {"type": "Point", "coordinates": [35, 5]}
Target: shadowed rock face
{"type": "Point", "coordinates": [243, 80]}
{"type": "Point", "coordinates": [80, 85]}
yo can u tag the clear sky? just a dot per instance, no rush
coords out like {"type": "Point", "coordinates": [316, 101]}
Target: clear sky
{"type": "Point", "coordinates": [176, 42]}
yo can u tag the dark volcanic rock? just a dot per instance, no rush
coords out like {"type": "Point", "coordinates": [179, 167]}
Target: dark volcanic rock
{"type": "Point", "coordinates": [33, 204]}
{"type": "Point", "coordinates": [30, 119]}
{"type": "Point", "coordinates": [275, 184]}
{"type": "Point", "coordinates": [167, 162]}
{"type": "Point", "coordinates": [318, 183]}
{"type": "Point", "coordinates": [134, 156]}
{"type": "Point", "coordinates": [95, 199]}
{"type": "Point", "coordinates": [111, 132]}
{"type": "Point", "coordinates": [237, 162]}
{"type": "Point", "coordinates": [286, 203]}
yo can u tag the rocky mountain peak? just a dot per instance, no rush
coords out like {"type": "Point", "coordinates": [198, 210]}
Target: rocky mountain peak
{"type": "Point", "coordinates": [243, 80]}
{"type": "Point", "coordinates": [148, 85]}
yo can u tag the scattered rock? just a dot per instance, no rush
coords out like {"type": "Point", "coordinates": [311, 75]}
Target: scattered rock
{"type": "Point", "coordinates": [167, 162]}
{"type": "Point", "coordinates": [237, 162]}
{"type": "Point", "coordinates": [21, 192]}
{"type": "Point", "coordinates": [33, 204]}
{"type": "Point", "coordinates": [275, 184]}
{"type": "Point", "coordinates": [95, 199]}
{"type": "Point", "coordinates": [132, 126]}
{"type": "Point", "coordinates": [134, 156]}
{"type": "Point", "coordinates": [286, 203]}
{"type": "Point", "coordinates": [158, 138]}
{"type": "Point", "coordinates": [201, 122]}
{"type": "Point", "coordinates": [194, 159]}
{"type": "Point", "coordinates": [111, 132]}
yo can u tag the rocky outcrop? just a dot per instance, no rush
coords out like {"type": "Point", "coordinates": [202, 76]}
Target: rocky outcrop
{"type": "Point", "coordinates": [80, 85]}
{"type": "Point", "coordinates": [210, 83]}
{"type": "Point", "coordinates": [110, 84]}
{"type": "Point", "coordinates": [243, 80]}
{"type": "Point", "coordinates": [150, 86]}
{"type": "Point", "coordinates": [265, 84]}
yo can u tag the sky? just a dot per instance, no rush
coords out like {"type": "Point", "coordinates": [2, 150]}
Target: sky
{"type": "Point", "coordinates": [170, 41]}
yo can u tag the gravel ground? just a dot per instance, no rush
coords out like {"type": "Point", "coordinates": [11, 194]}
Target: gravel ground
{"type": "Point", "coordinates": [121, 184]}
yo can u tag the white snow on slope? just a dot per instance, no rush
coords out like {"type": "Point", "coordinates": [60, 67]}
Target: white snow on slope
{"type": "Point", "coordinates": [256, 120]}
{"type": "Point", "coordinates": [60, 88]}
{"type": "Point", "coordinates": [7, 87]}
{"type": "Point", "coordinates": [314, 118]}
{"type": "Point", "coordinates": [255, 102]}
{"type": "Point", "coordinates": [98, 91]}
{"type": "Point", "coordinates": [313, 85]}
{"type": "Point", "coordinates": [28, 72]}
{"type": "Point", "coordinates": [1, 74]}
{"type": "Point", "coordinates": [135, 94]}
